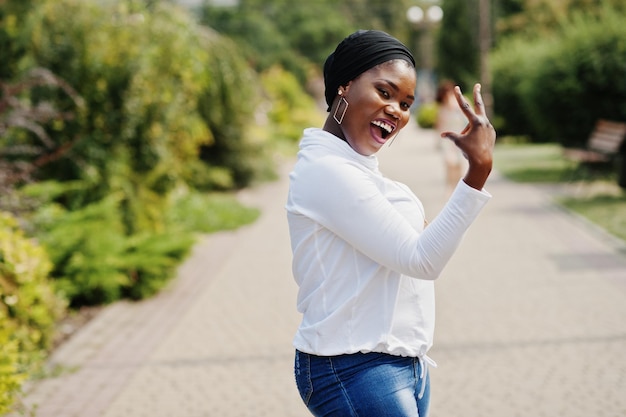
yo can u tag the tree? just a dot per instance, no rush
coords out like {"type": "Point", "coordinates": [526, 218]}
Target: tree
{"type": "Point", "coordinates": [537, 18]}
{"type": "Point", "coordinates": [297, 35]}
{"type": "Point", "coordinates": [555, 87]}
{"type": "Point", "coordinates": [25, 146]}
{"type": "Point", "coordinates": [12, 48]}
{"type": "Point", "coordinates": [457, 43]}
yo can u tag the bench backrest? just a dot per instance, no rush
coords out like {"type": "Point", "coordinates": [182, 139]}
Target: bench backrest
{"type": "Point", "coordinates": [607, 136]}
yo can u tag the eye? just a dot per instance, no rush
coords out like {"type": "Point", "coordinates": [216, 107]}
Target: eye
{"type": "Point", "coordinates": [405, 105]}
{"type": "Point", "coordinates": [384, 93]}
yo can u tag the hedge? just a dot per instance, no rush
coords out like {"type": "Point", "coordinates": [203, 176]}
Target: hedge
{"type": "Point", "coordinates": [555, 89]}
{"type": "Point", "coordinates": [29, 308]}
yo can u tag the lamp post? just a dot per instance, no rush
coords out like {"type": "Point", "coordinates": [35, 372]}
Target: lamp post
{"type": "Point", "coordinates": [424, 18]}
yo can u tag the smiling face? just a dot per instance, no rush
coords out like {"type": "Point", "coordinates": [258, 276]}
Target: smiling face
{"type": "Point", "coordinates": [379, 106]}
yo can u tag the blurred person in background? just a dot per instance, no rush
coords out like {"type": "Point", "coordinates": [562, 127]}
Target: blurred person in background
{"type": "Point", "coordinates": [450, 118]}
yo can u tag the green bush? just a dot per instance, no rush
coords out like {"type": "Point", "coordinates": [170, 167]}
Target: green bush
{"type": "Point", "coordinates": [87, 247]}
{"type": "Point", "coordinates": [12, 15]}
{"type": "Point", "coordinates": [162, 96]}
{"type": "Point", "coordinates": [227, 105]}
{"type": "Point", "coordinates": [29, 308]}
{"type": "Point", "coordinates": [583, 79]}
{"type": "Point", "coordinates": [291, 109]}
{"type": "Point", "coordinates": [96, 262]}
{"type": "Point", "coordinates": [427, 115]}
{"type": "Point", "coordinates": [167, 107]}
{"type": "Point", "coordinates": [556, 88]}
{"type": "Point", "coordinates": [208, 213]}
{"type": "Point", "coordinates": [11, 376]}
{"type": "Point", "coordinates": [512, 65]}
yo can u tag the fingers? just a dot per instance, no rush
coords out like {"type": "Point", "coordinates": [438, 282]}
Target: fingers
{"type": "Point", "coordinates": [463, 104]}
{"type": "Point", "coordinates": [465, 107]}
{"type": "Point", "coordinates": [477, 116]}
{"type": "Point", "coordinates": [451, 135]}
{"type": "Point", "coordinates": [479, 105]}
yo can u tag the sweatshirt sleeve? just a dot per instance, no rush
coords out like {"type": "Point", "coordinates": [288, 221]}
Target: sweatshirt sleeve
{"type": "Point", "coordinates": [346, 200]}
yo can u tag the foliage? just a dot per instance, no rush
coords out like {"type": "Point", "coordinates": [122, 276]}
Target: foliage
{"type": "Point", "coordinates": [295, 35]}
{"type": "Point", "coordinates": [538, 18]}
{"type": "Point", "coordinates": [512, 64]}
{"type": "Point", "coordinates": [166, 106]}
{"type": "Point", "coordinates": [116, 57]}
{"type": "Point", "coordinates": [11, 378]}
{"type": "Point", "coordinates": [606, 210]}
{"type": "Point", "coordinates": [207, 213]}
{"type": "Point", "coordinates": [457, 42]}
{"type": "Point", "coordinates": [29, 308]}
{"type": "Point", "coordinates": [536, 163]}
{"type": "Point", "coordinates": [25, 146]}
{"type": "Point", "coordinates": [257, 35]}
{"type": "Point", "coordinates": [12, 47]}
{"type": "Point", "coordinates": [539, 85]}
{"type": "Point", "coordinates": [290, 108]}
{"type": "Point", "coordinates": [427, 115]}
{"type": "Point", "coordinates": [152, 106]}
{"type": "Point", "coordinates": [227, 106]}
{"type": "Point", "coordinates": [95, 261]}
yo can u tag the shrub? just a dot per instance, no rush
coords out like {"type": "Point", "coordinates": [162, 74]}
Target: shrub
{"type": "Point", "coordinates": [427, 115]}
{"type": "Point", "coordinates": [166, 101]}
{"type": "Point", "coordinates": [512, 65]}
{"type": "Point", "coordinates": [207, 213]}
{"type": "Point", "coordinates": [29, 308]}
{"type": "Point", "coordinates": [227, 105]}
{"type": "Point", "coordinates": [162, 95]}
{"type": "Point", "coordinates": [96, 262]}
{"type": "Point", "coordinates": [11, 377]}
{"type": "Point", "coordinates": [556, 88]}
{"type": "Point", "coordinates": [581, 80]}
{"type": "Point", "coordinates": [291, 109]}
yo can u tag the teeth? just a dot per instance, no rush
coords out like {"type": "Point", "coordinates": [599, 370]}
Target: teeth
{"type": "Point", "coordinates": [383, 125]}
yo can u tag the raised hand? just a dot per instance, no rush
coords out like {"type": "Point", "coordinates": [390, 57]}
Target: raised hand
{"type": "Point", "coordinates": [476, 141]}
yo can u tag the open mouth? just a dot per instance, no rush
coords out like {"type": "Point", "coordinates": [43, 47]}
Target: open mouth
{"type": "Point", "coordinates": [385, 128]}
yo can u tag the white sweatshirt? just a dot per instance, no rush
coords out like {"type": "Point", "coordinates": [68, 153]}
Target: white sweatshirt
{"type": "Point", "coordinates": [362, 259]}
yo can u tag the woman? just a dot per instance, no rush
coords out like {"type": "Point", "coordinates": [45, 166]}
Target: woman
{"type": "Point", "coordinates": [362, 256]}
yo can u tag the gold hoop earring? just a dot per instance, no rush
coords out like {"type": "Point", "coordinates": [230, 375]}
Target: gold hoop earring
{"type": "Point", "coordinates": [343, 112]}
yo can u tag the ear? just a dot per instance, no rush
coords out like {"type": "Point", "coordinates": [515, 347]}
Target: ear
{"type": "Point", "coordinates": [343, 89]}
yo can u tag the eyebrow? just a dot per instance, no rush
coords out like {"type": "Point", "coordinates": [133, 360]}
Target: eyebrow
{"type": "Point", "coordinates": [395, 87]}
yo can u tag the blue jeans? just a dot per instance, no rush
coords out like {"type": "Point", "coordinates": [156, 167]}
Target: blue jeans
{"type": "Point", "coordinates": [363, 385]}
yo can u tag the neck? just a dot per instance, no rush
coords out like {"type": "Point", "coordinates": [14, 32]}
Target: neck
{"type": "Point", "coordinates": [331, 126]}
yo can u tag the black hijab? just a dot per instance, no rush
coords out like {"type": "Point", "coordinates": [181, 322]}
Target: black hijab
{"type": "Point", "coordinates": [358, 53]}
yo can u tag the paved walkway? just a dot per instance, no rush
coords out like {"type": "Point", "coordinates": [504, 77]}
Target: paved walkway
{"type": "Point", "coordinates": [531, 319]}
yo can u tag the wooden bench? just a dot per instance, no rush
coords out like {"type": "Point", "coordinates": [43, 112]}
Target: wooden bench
{"type": "Point", "coordinates": [603, 144]}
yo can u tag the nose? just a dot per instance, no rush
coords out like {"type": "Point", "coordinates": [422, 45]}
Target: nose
{"type": "Point", "coordinates": [393, 111]}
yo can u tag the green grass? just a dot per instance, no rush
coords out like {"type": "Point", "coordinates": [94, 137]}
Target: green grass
{"type": "Point", "coordinates": [207, 213]}
{"type": "Point", "coordinates": [607, 211]}
{"type": "Point", "coordinates": [543, 163]}
{"type": "Point", "coordinates": [592, 193]}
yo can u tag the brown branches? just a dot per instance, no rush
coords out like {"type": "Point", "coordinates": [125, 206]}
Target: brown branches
{"type": "Point", "coordinates": [20, 154]}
